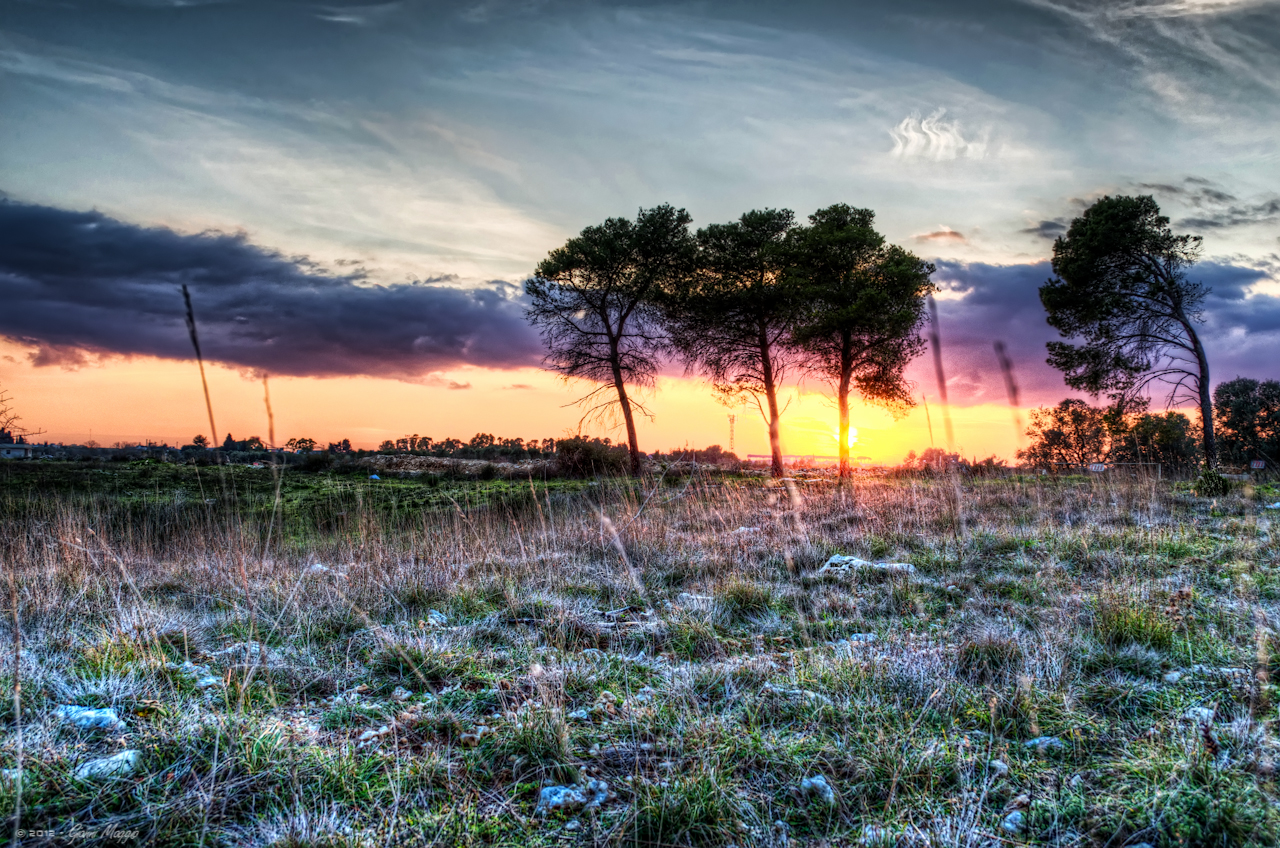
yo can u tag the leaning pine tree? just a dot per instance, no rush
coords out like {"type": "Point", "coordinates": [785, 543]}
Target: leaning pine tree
{"type": "Point", "coordinates": [594, 302]}
{"type": "Point", "coordinates": [1121, 286]}
{"type": "Point", "coordinates": [864, 305]}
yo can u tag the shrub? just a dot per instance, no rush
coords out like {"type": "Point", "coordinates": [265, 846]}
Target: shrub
{"type": "Point", "coordinates": [988, 657]}
{"type": "Point", "coordinates": [741, 599]}
{"type": "Point", "coordinates": [1211, 484]}
{"type": "Point", "coordinates": [701, 809]}
{"type": "Point", "coordinates": [1124, 621]}
{"type": "Point", "coordinates": [580, 457]}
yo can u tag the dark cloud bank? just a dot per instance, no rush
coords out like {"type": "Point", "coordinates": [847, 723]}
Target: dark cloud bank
{"type": "Point", "coordinates": [75, 286]}
{"type": "Point", "coordinates": [79, 285]}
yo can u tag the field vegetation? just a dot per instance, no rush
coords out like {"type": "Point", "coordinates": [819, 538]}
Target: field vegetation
{"type": "Point", "coordinates": [997, 660]}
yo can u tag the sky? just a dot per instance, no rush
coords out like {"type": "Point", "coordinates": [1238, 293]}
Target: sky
{"type": "Point", "coordinates": [354, 192]}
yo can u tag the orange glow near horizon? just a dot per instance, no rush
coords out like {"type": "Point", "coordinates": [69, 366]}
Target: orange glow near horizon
{"type": "Point", "coordinates": [135, 399]}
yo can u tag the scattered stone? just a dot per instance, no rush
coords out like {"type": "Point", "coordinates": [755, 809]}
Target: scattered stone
{"type": "Point", "coordinates": [1076, 781]}
{"type": "Point", "coordinates": [88, 718]}
{"type": "Point", "coordinates": [401, 694]}
{"type": "Point", "coordinates": [695, 602]}
{"type": "Point", "coordinates": [1200, 715]}
{"type": "Point", "coordinates": [874, 836]}
{"type": "Point", "coordinates": [1173, 677]}
{"type": "Point", "coordinates": [122, 764]}
{"type": "Point", "coordinates": [436, 618]}
{"type": "Point", "coordinates": [572, 825]}
{"type": "Point", "coordinates": [571, 798]}
{"type": "Point", "coordinates": [1015, 822]}
{"type": "Point", "coordinates": [1043, 744]}
{"type": "Point", "coordinates": [846, 646]}
{"type": "Point", "coordinates": [645, 695]}
{"type": "Point", "coordinates": [579, 715]}
{"type": "Point", "coordinates": [200, 675]}
{"type": "Point", "coordinates": [10, 776]}
{"type": "Point", "coordinates": [998, 768]}
{"type": "Point", "coordinates": [1275, 505]}
{"type": "Point", "coordinates": [845, 564]}
{"type": "Point", "coordinates": [799, 694]}
{"type": "Point", "coordinates": [249, 652]}
{"type": "Point", "coordinates": [472, 739]}
{"type": "Point", "coordinates": [817, 789]}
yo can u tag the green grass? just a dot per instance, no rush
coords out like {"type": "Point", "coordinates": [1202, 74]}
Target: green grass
{"type": "Point", "coordinates": [702, 676]}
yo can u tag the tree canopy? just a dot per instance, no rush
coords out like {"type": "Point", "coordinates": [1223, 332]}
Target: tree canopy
{"type": "Point", "coordinates": [732, 320]}
{"type": "Point", "coordinates": [1120, 286]}
{"type": "Point", "coordinates": [596, 303]}
{"type": "Point", "coordinates": [864, 302]}
{"type": "Point", "coordinates": [1247, 413]}
{"type": "Point", "coordinates": [1075, 434]}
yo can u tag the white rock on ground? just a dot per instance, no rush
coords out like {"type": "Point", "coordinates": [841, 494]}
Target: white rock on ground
{"type": "Point", "coordinates": [1173, 677]}
{"type": "Point", "coordinates": [840, 563]}
{"type": "Point", "coordinates": [401, 694]}
{"type": "Point", "coordinates": [88, 718]}
{"type": "Point", "coordinates": [1014, 822]}
{"type": "Point", "coordinates": [816, 788]}
{"type": "Point", "coordinates": [122, 764]}
{"type": "Point", "coordinates": [1042, 744]}
{"type": "Point", "coordinates": [874, 836]}
{"type": "Point", "coordinates": [1200, 715]}
{"type": "Point", "coordinates": [436, 618]}
{"type": "Point", "coordinates": [201, 676]}
{"type": "Point", "coordinates": [571, 799]}
{"type": "Point", "coordinates": [998, 768]}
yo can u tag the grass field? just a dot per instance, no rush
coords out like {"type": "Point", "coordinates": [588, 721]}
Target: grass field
{"type": "Point", "coordinates": [411, 661]}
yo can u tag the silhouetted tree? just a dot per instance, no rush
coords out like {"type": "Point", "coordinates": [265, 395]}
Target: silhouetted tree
{"type": "Point", "coordinates": [594, 300]}
{"type": "Point", "coordinates": [1121, 286]}
{"type": "Point", "coordinates": [1071, 433]}
{"type": "Point", "coordinates": [1247, 413]}
{"type": "Point", "coordinates": [733, 319]}
{"type": "Point", "coordinates": [1167, 438]}
{"type": "Point", "coordinates": [864, 305]}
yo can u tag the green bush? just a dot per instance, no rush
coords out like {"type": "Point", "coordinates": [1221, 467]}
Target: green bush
{"type": "Point", "coordinates": [580, 457]}
{"type": "Point", "coordinates": [1211, 484]}
{"type": "Point", "coordinates": [988, 657]}
{"type": "Point", "coordinates": [701, 809]}
{"type": "Point", "coordinates": [1125, 621]}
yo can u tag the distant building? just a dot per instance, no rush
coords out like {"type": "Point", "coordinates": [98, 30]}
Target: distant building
{"type": "Point", "coordinates": [15, 451]}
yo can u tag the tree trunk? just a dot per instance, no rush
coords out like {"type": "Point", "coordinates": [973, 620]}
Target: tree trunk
{"type": "Point", "coordinates": [842, 399]}
{"type": "Point", "coordinates": [1206, 402]}
{"type": "Point", "coordinates": [1205, 391]}
{"type": "Point", "coordinates": [633, 443]}
{"type": "Point", "coordinates": [771, 397]}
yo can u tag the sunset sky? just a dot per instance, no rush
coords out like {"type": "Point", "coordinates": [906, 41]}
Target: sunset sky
{"type": "Point", "coordinates": [354, 193]}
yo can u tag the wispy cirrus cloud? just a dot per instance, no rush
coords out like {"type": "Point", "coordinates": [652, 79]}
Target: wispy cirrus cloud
{"type": "Point", "coordinates": [935, 138]}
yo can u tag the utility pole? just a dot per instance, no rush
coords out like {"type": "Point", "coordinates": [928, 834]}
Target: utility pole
{"type": "Point", "coordinates": [732, 418]}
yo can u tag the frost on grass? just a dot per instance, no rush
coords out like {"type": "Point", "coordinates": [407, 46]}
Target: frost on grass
{"type": "Point", "coordinates": [1083, 663]}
